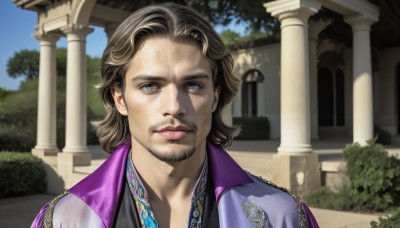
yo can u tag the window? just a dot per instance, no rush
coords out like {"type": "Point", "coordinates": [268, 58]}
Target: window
{"type": "Point", "coordinates": [249, 91]}
{"type": "Point", "coordinates": [330, 98]}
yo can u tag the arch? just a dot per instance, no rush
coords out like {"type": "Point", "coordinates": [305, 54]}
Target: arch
{"type": "Point", "coordinates": [82, 11]}
{"type": "Point", "coordinates": [325, 97]}
{"type": "Point", "coordinates": [332, 59]}
{"type": "Point", "coordinates": [249, 91]}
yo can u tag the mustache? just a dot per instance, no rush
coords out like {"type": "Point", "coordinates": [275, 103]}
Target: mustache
{"type": "Point", "coordinates": [187, 124]}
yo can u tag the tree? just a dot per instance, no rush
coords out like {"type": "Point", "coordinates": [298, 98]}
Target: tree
{"type": "Point", "coordinates": [25, 63]}
{"type": "Point", "coordinates": [230, 37]}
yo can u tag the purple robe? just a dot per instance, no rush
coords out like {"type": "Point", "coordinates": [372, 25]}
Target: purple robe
{"type": "Point", "coordinates": [243, 200]}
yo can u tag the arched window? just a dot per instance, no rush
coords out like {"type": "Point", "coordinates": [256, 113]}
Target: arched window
{"type": "Point", "coordinates": [249, 91]}
{"type": "Point", "coordinates": [330, 98]}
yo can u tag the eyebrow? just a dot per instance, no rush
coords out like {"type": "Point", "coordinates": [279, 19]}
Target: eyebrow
{"type": "Point", "coordinates": [159, 78]}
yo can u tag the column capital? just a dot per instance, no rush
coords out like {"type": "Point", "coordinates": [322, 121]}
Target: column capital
{"type": "Point", "coordinates": [295, 9]}
{"type": "Point", "coordinates": [46, 38]}
{"type": "Point", "coordinates": [360, 22]}
{"type": "Point", "coordinates": [76, 32]}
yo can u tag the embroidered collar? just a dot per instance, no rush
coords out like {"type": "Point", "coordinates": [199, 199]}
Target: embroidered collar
{"type": "Point", "coordinates": [140, 193]}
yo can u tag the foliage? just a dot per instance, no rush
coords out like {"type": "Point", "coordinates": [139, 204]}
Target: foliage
{"type": "Point", "coordinates": [25, 63]}
{"type": "Point", "coordinates": [230, 37]}
{"type": "Point", "coordinates": [374, 176]}
{"type": "Point", "coordinates": [392, 220]}
{"type": "Point", "coordinates": [325, 198]}
{"type": "Point", "coordinates": [4, 93]}
{"type": "Point", "coordinates": [374, 181]}
{"type": "Point", "coordinates": [20, 174]}
{"type": "Point", "coordinates": [252, 128]}
{"type": "Point", "coordinates": [18, 119]}
{"type": "Point", "coordinates": [18, 112]}
{"type": "Point", "coordinates": [256, 38]}
{"type": "Point", "coordinates": [95, 103]}
{"type": "Point", "coordinates": [61, 62]}
{"type": "Point", "coordinates": [382, 136]}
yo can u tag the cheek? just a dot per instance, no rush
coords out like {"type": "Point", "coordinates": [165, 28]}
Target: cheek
{"type": "Point", "coordinates": [204, 111]}
{"type": "Point", "coordinates": [139, 112]}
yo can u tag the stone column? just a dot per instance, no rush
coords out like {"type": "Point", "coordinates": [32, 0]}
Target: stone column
{"type": "Point", "coordinates": [315, 28]}
{"type": "Point", "coordinates": [47, 104]}
{"type": "Point", "coordinates": [75, 152]}
{"type": "Point", "coordinates": [363, 122]}
{"type": "Point", "coordinates": [46, 139]}
{"type": "Point", "coordinates": [295, 166]}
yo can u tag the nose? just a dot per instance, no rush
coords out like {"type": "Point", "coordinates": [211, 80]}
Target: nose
{"type": "Point", "coordinates": [174, 102]}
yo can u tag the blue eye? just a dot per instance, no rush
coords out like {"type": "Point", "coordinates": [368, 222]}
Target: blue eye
{"type": "Point", "coordinates": [192, 86]}
{"type": "Point", "coordinates": [150, 87]}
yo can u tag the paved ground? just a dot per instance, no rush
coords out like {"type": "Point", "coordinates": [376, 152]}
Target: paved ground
{"type": "Point", "coordinates": [19, 213]}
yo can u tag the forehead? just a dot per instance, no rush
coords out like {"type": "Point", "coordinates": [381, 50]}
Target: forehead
{"type": "Point", "coordinates": [166, 56]}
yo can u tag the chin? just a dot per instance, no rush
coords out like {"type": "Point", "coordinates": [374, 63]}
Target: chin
{"type": "Point", "coordinates": [173, 154]}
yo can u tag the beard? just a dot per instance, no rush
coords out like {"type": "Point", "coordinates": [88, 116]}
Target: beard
{"type": "Point", "coordinates": [174, 156]}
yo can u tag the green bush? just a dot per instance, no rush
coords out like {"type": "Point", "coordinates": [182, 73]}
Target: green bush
{"type": "Point", "coordinates": [252, 128]}
{"type": "Point", "coordinates": [325, 198]}
{"type": "Point", "coordinates": [4, 93]}
{"type": "Point", "coordinates": [374, 181]}
{"type": "Point", "coordinates": [392, 220]}
{"type": "Point", "coordinates": [18, 121]}
{"type": "Point", "coordinates": [374, 176]}
{"type": "Point", "coordinates": [20, 174]}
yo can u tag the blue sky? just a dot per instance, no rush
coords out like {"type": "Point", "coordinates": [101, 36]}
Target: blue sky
{"type": "Point", "coordinates": [17, 28]}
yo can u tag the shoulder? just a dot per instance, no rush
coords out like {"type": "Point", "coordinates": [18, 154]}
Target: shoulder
{"type": "Point", "coordinates": [269, 188]}
{"type": "Point", "coordinates": [67, 210]}
{"type": "Point", "coordinates": [280, 206]}
{"type": "Point", "coordinates": [289, 203]}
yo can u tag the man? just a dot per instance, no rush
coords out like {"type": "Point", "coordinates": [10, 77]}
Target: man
{"type": "Point", "coordinates": [166, 78]}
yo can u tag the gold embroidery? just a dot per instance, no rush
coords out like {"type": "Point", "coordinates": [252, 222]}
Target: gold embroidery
{"type": "Point", "coordinates": [255, 214]}
{"type": "Point", "coordinates": [300, 208]}
{"type": "Point", "coordinates": [48, 216]}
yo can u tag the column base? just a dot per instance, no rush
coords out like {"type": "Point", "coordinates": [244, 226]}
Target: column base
{"type": "Point", "coordinates": [67, 162]}
{"type": "Point", "coordinates": [300, 174]}
{"type": "Point", "coordinates": [295, 149]}
{"type": "Point", "coordinates": [42, 152]}
{"type": "Point", "coordinates": [76, 150]}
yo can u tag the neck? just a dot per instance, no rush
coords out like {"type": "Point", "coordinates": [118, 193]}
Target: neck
{"type": "Point", "coordinates": [168, 182]}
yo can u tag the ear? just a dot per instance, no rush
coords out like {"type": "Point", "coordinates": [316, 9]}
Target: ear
{"type": "Point", "coordinates": [119, 101]}
{"type": "Point", "coordinates": [216, 97]}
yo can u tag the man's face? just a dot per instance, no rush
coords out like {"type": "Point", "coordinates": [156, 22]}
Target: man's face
{"type": "Point", "coordinates": [169, 98]}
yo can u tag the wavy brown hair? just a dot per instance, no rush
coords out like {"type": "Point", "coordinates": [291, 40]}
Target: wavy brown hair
{"type": "Point", "coordinates": [175, 22]}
